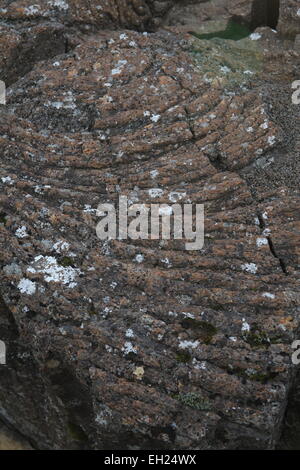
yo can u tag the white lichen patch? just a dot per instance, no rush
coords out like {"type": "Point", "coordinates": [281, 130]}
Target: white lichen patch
{"type": "Point", "coordinates": [245, 325]}
{"type": "Point", "coordinates": [88, 209]}
{"type": "Point", "coordinates": [188, 315]}
{"type": "Point", "coordinates": [188, 344]}
{"type": "Point", "coordinates": [32, 10]}
{"type": "Point", "coordinates": [54, 104]}
{"type": "Point", "coordinates": [155, 192]}
{"type": "Point", "coordinates": [7, 180]}
{"type": "Point", "coordinates": [271, 140]}
{"type": "Point", "coordinates": [119, 67]}
{"type": "Point", "coordinates": [175, 196]}
{"type": "Point", "coordinates": [225, 69]}
{"type": "Point", "coordinates": [104, 415]}
{"type": "Point", "coordinates": [129, 333]}
{"type": "Point", "coordinates": [21, 232]}
{"type": "Point", "coordinates": [155, 117]}
{"type": "Point", "coordinates": [166, 261]}
{"type": "Point", "coordinates": [60, 4]}
{"type": "Point", "coordinates": [154, 174]}
{"type": "Point", "coordinates": [129, 348]}
{"type": "Point", "coordinates": [26, 286]}
{"type": "Point", "coordinates": [53, 272]}
{"type": "Point", "coordinates": [249, 267]}
{"type": "Point", "coordinates": [261, 241]}
{"type": "Point", "coordinates": [199, 365]}
{"type": "Point", "coordinates": [68, 102]}
{"type": "Point", "coordinates": [172, 314]}
{"type": "Point", "coordinates": [268, 295]}
{"type": "Point", "coordinates": [61, 246]}
{"type": "Point", "coordinates": [265, 125]}
{"type": "Point", "coordinates": [139, 258]}
{"type": "Point", "coordinates": [266, 232]}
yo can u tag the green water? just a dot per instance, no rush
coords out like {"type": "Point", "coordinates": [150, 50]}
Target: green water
{"type": "Point", "coordinates": [234, 31]}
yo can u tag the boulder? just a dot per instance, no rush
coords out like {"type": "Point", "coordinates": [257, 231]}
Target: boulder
{"type": "Point", "coordinates": [142, 344]}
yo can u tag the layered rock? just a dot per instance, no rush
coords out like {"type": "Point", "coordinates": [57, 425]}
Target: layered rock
{"type": "Point", "coordinates": [136, 343]}
{"type": "Point", "coordinates": [135, 14]}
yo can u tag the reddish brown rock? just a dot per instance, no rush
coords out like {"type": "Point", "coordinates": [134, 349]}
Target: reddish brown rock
{"type": "Point", "coordinates": [143, 344]}
{"type": "Point", "coordinates": [135, 14]}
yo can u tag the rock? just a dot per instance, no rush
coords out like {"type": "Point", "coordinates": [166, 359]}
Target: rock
{"type": "Point", "coordinates": [135, 14]}
{"type": "Point", "coordinates": [9, 440]}
{"type": "Point", "coordinates": [289, 21]}
{"type": "Point", "coordinates": [127, 344]}
{"type": "Point", "coordinates": [23, 47]}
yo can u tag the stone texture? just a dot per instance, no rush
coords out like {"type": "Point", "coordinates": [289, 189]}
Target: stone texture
{"type": "Point", "coordinates": [10, 440]}
{"type": "Point", "coordinates": [135, 14]}
{"type": "Point", "coordinates": [140, 344]}
{"type": "Point", "coordinates": [289, 22]}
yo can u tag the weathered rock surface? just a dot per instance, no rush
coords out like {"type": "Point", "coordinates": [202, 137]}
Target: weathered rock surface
{"type": "Point", "coordinates": [289, 21]}
{"type": "Point", "coordinates": [135, 14]}
{"type": "Point", "coordinates": [142, 344]}
{"type": "Point", "coordinates": [10, 440]}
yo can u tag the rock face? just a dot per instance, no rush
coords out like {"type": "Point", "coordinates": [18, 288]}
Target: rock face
{"type": "Point", "coordinates": [127, 344]}
{"type": "Point", "coordinates": [9, 440]}
{"type": "Point", "coordinates": [289, 22]}
{"type": "Point", "coordinates": [133, 14]}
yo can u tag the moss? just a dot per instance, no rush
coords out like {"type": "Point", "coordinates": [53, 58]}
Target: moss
{"type": "Point", "coordinates": [66, 262]}
{"type": "Point", "coordinates": [234, 31]}
{"type": "Point", "coordinates": [262, 377]}
{"type": "Point", "coordinates": [256, 376]}
{"type": "Point", "coordinates": [183, 356]}
{"type": "Point", "coordinates": [194, 400]}
{"type": "Point", "coordinates": [230, 63]}
{"type": "Point", "coordinates": [238, 371]}
{"type": "Point", "coordinates": [205, 330]}
{"type": "Point", "coordinates": [76, 432]}
{"type": "Point", "coordinates": [276, 339]}
{"type": "Point", "coordinates": [3, 218]}
{"type": "Point", "coordinates": [257, 338]}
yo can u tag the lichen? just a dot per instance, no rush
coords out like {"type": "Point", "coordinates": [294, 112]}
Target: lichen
{"type": "Point", "coordinates": [183, 356]}
{"type": "Point", "coordinates": [262, 377]}
{"type": "Point", "coordinates": [194, 400]}
{"type": "Point", "coordinates": [257, 338]}
{"type": "Point", "coordinates": [66, 262]}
